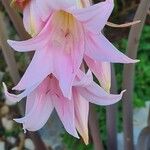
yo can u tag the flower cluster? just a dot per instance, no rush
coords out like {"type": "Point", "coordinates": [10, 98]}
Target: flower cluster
{"type": "Point", "coordinates": [67, 38]}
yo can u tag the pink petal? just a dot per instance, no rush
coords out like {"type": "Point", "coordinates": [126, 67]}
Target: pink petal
{"type": "Point", "coordinates": [102, 70]}
{"type": "Point", "coordinates": [38, 109]}
{"type": "Point", "coordinates": [63, 71]}
{"type": "Point", "coordinates": [100, 49]}
{"type": "Point", "coordinates": [38, 116]}
{"type": "Point", "coordinates": [81, 115]}
{"type": "Point", "coordinates": [35, 43]}
{"type": "Point", "coordinates": [43, 9]}
{"type": "Point", "coordinates": [83, 79]}
{"type": "Point", "coordinates": [16, 98]}
{"type": "Point", "coordinates": [28, 45]}
{"type": "Point", "coordinates": [70, 55]}
{"type": "Point", "coordinates": [95, 94]}
{"type": "Point", "coordinates": [41, 89]}
{"type": "Point", "coordinates": [77, 51]}
{"type": "Point", "coordinates": [61, 5]}
{"type": "Point", "coordinates": [65, 110]}
{"type": "Point", "coordinates": [72, 61]}
{"type": "Point", "coordinates": [39, 68]}
{"type": "Point", "coordinates": [26, 19]}
{"type": "Point", "coordinates": [94, 17]}
{"type": "Point", "coordinates": [32, 21]}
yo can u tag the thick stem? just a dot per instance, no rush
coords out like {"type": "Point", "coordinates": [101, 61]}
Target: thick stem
{"type": "Point", "coordinates": [16, 20]}
{"type": "Point", "coordinates": [129, 72]}
{"type": "Point", "coordinates": [94, 129]}
{"type": "Point", "coordinates": [111, 117]}
{"type": "Point", "coordinates": [8, 53]}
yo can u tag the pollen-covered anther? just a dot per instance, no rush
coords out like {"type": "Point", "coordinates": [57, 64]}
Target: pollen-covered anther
{"type": "Point", "coordinates": [19, 3]}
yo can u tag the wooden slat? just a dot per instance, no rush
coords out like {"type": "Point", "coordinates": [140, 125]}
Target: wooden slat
{"type": "Point", "coordinates": [16, 20]}
{"type": "Point", "coordinates": [111, 117]}
{"type": "Point", "coordinates": [94, 129]}
{"type": "Point", "coordinates": [8, 52]}
{"type": "Point", "coordinates": [129, 73]}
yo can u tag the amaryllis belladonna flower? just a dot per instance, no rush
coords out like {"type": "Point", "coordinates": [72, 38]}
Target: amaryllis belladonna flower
{"type": "Point", "coordinates": [34, 23]}
{"type": "Point", "coordinates": [73, 113]}
{"type": "Point", "coordinates": [63, 35]}
{"type": "Point", "coordinates": [70, 35]}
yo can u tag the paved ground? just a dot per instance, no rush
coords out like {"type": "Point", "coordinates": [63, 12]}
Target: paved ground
{"type": "Point", "coordinates": [140, 121]}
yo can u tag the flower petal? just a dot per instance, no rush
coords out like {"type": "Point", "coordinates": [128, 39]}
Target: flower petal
{"type": "Point", "coordinates": [100, 49]}
{"type": "Point", "coordinates": [35, 43]}
{"type": "Point", "coordinates": [61, 5]}
{"type": "Point", "coordinates": [81, 107]}
{"type": "Point", "coordinates": [94, 17]}
{"type": "Point", "coordinates": [16, 98]}
{"type": "Point", "coordinates": [38, 109]}
{"type": "Point", "coordinates": [38, 115]}
{"type": "Point", "coordinates": [65, 110]}
{"type": "Point", "coordinates": [102, 70]}
{"type": "Point", "coordinates": [77, 51]}
{"type": "Point", "coordinates": [32, 21]}
{"type": "Point", "coordinates": [71, 56]}
{"type": "Point", "coordinates": [65, 74]}
{"type": "Point", "coordinates": [76, 58]}
{"type": "Point", "coordinates": [26, 15]}
{"type": "Point", "coordinates": [95, 94]}
{"type": "Point", "coordinates": [39, 68]}
{"type": "Point", "coordinates": [43, 9]}
{"type": "Point", "coordinates": [83, 79]}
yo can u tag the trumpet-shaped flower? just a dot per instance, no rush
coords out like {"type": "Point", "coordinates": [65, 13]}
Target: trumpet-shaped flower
{"type": "Point", "coordinates": [73, 113]}
{"type": "Point", "coordinates": [69, 36]}
{"type": "Point", "coordinates": [34, 22]}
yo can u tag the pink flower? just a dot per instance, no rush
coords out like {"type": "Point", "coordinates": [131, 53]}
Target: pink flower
{"type": "Point", "coordinates": [70, 35]}
{"type": "Point", "coordinates": [73, 113]}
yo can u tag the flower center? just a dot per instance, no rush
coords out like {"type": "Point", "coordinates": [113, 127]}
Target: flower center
{"type": "Point", "coordinates": [65, 22]}
{"type": "Point", "coordinates": [64, 28]}
{"type": "Point", "coordinates": [19, 3]}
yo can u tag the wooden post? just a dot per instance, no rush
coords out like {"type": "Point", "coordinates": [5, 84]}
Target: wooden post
{"type": "Point", "coordinates": [16, 20]}
{"type": "Point", "coordinates": [111, 117]}
{"type": "Point", "coordinates": [129, 73]}
{"type": "Point", "coordinates": [94, 129]}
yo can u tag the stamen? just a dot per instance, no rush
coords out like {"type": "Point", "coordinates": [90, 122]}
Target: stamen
{"type": "Point", "coordinates": [110, 24]}
{"type": "Point", "coordinates": [19, 4]}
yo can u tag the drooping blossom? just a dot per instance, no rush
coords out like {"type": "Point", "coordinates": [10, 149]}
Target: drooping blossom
{"type": "Point", "coordinates": [72, 112]}
{"type": "Point", "coordinates": [64, 34]}
{"type": "Point", "coordinates": [34, 22]}
{"type": "Point", "coordinates": [70, 35]}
